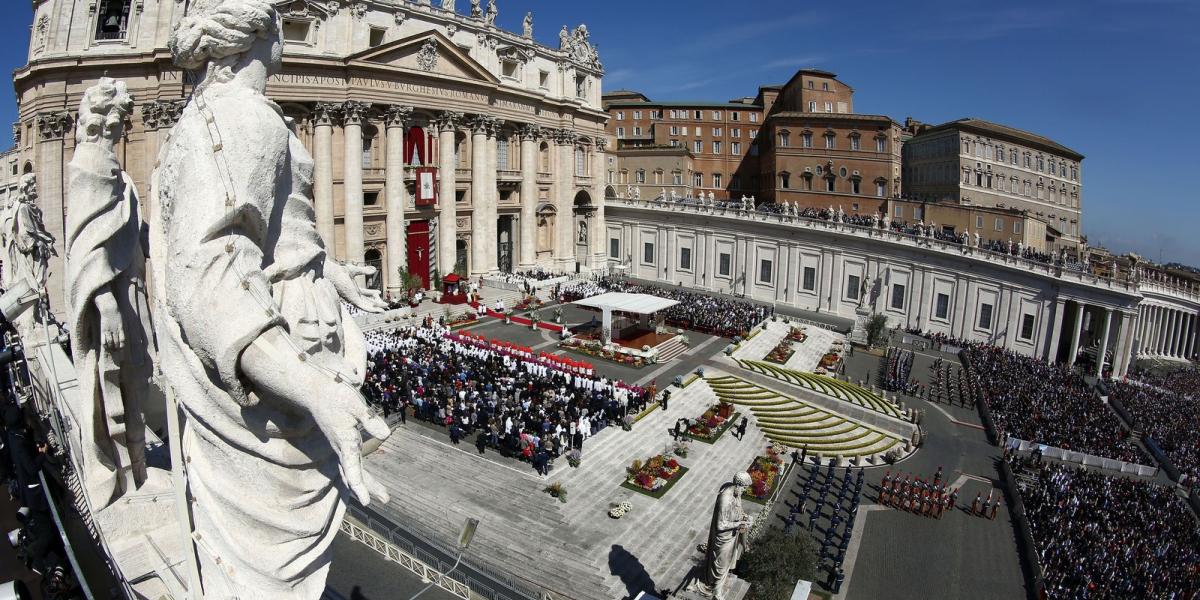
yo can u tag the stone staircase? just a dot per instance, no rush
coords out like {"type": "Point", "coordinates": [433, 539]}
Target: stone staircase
{"type": "Point", "coordinates": [671, 349]}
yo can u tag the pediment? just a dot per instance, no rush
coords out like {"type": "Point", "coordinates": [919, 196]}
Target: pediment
{"type": "Point", "coordinates": [429, 52]}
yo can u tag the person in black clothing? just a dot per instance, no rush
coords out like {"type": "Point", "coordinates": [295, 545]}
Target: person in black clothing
{"type": "Point", "coordinates": [666, 395]}
{"type": "Point", "coordinates": [741, 428]}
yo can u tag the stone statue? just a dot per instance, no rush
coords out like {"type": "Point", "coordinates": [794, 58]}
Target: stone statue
{"type": "Point", "coordinates": [564, 39]}
{"type": "Point", "coordinates": [712, 198]}
{"type": "Point", "coordinates": [674, 196]}
{"type": "Point", "coordinates": [476, 10]}
{"type": "Point", "coordinates": [728, 538]}
{"type": "Point", "coordinates": [841, 215]}
{"type": "Point", "coordinates": [637, 193]}
{"type": "Point", "coordinates": [976, 239]}
{"type": "Point", "coordinates": [28, 246]}
{"type": "Point", "coordinates": [629, 191]}
{"type": "Point", "coordinates": [887, 221]}
{"type": "Point", "coordinates": [110, 337]}
{"type": "Point", "coordinates": [492, 12]}
{"type": "Point", "coordinates": [448, 5]}
{"type": "Point", "coordinates": [875, 220]}
{"type": "Point", "coordinates": [253, 338]}
{"type": "Point", "coordinates": [753, 203]}
{"type": "Point", "coordinates": [583, 232]}
{"type": "Point", "coordinates": [527, 26]}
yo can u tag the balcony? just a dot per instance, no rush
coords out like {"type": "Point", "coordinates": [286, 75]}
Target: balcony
{"type": "Point", "coordinates": [508, 175]}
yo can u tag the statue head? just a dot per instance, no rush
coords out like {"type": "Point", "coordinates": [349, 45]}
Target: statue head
{"type": "Point", "coordinates": [27, 188]}
{"type": "Point", "coordinates": [742, 481]}
{"type": "Point", "coordinates": [102, 111]}
{"type": "Point", "coordinates": [225, 37]}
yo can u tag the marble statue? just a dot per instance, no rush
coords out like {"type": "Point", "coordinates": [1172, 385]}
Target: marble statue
{"type": "Point", "coordinates": [712, 198]}
{"type": "Point", "coordinates": [753, 203]}
{"type": "Point", "coordinates": [564, 38]}
{"type": "Point", "coordinates": [637, 193]}
{"type": "Point", "coordinates": [527, 26]}
{"type": "Point", "coordinates": [448, 5]}
{"type": "Point", "coordinates": [27, 245]}
{"type": "Point", "coordinates": [976, 239]}
{"type": "Point", "coordinates": [254, 341]}
{"type": "Point", "coordinates": [629, 191]}
{"type": "Point", "coordinates": [664, 194]}
{"type": "Point", "coordinates": [476, 10]}
{"type": "Point", "coordinates": [583, 232]}
{"type": "Point", "coordinates": [492, 12]}
{"type": "Point", "coordinates": [110, 337]}
{"type": "Point", "coordinates": [674, 196]}
{"type": "Point", "coordinates": [728, 538]}
{"type": "Point", "coordinates": [841, 215]}
{"type": "Point", "coordinates": [887, 221]}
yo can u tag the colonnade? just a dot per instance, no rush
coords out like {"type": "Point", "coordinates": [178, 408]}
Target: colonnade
{"type": "Point", "coordinates": [1167, 332]}
{"type": "Point", "coordinates": [484, 131]}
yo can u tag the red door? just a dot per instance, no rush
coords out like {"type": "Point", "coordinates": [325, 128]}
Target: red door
{"type": "Point", "coordinates": [418, 250]}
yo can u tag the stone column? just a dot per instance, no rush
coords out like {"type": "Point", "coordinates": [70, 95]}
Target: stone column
{"type": "Point", "coordinates": [54, 133]}
{"type": "Point", "coordinates": [1075, 334]}
{"type": "Point", "coordinates": [597, 231]}
{"type": "Point", "coordinates": [479, 196]}
{"type": "Point", "coordinates": [564, 185]}
{"type": "Point", "coordinates": [1169, 334]}
{"type": "Point", "coordinates": [446, 124]}
{"type": "Point", "coordinates": [1177, 335]}
{"type": "Point", "coordinates": [353, 113]}
{"type": "Point", "coordinates": [1103, 348]}
{"type": "Point", "coordinates": [397, 197]}
{"type": "Point", "coordinates": [1060, 308]}
{"type": "Point", "coordinates": [1190, 348]}
{"type": "Point", "coordinates": [491, 178]}
{"type": "Point", "coordinates": [529, 194]}
{"type": "Point", "coordinates": [1129, 324]}
{"type": "Point", "coordinates": [322, 117]}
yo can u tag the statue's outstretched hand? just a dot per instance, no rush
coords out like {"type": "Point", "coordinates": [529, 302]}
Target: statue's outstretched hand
{"type": "Point", "coordinates": [338, 414]}
{"type": "Point", "coordinates": [342, 277]}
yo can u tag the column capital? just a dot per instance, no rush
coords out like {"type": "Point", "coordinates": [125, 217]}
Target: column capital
{"type": "Point", "coordinates": [563, 136]}
{"type": "Point", "coordinates": [447, 120]}
{"type": "Point", "coordinates": [353, 112]}
{"type": "Point", "coordinates": [162, 113]}
{"type": "Point", "coordinates": [479, 124]}
{"type": "Point", "coordinates": [52, 125]}
{"type": "Point", "coordinates": [530, 131]}
{"type": "Point", "coordinates": [601, 143]}
{"type": "Point", "coordinates": [325, 113]}
{"type": "Point", "coordinates": [494, 126]}
{"type": "Point", "coordinates": [397, 116]}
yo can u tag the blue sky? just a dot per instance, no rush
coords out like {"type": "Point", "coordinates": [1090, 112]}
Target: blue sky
{"type": "Point", "coordinates": [1117, 80]}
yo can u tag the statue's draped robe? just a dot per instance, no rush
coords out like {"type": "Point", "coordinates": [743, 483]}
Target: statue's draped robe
{"type": "Point", "coordinates": [725, 543]}
{"type": "Point", "coordinates": [26, 242]}
{"type": "Point", "coordinates": [265, 479]}
{"type": "Point", "coordinates": [104, 253]}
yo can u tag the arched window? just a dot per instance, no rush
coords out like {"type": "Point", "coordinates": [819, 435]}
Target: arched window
{"type": "Point", "coordinates": [830, 183]}
{"type": "Point", "coordinates": [829, 144]}
{"type": "Point", "coordinates": [785, 180]}
{"type": "Point", "coordinates": [658, 177]}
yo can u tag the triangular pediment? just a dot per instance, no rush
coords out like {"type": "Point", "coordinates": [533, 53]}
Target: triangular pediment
{"type": "Point", "coordinates": [429, 52]}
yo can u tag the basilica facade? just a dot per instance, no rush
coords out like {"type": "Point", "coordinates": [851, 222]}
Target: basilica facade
{"type": "Point", "coordinates": [442, 143]}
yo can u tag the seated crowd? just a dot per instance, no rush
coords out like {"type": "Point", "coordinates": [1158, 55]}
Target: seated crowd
{"type": "Point", "coordinates": [1168, 411]}
{"type": "Point", "coordinates": [725, 317]}
{"type": "Point", "coordinates": [508, 398]}
{"type": "Point", "coordinates": [1047, 404]}
{"type": "Point", "coordinates": [1108, 537]}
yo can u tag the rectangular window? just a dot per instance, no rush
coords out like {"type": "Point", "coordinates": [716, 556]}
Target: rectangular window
{"type": "Point", "coordinates": [717, 180]}
{"type": "Point", "coordinates": [880, 145]}
{"type": "Point", "coordinates": [999, 224]}
{"type": "Point", "coordinates": [735, 132]}
{"type": "Point", "coordinates": [683, 131]}
{"type": "Point", "coordinates": [620, 114]}
{"type": "Point", "coordinates": [293, 31]}
{"type": "Point", "coordinates": [828, 107]}
{"type": "Point", "coordinates": [812, 106]}
{"type": "Point", "coordinates": [880, 189]}
{"type": "Point", "coordinates": [677, 178]}
{"type": "Point", "coordinates": [699, 115]}
{"type": "Point", "coordinates": [648, 253]}
{"type": "Point", "coordinates": [733, 116]}
{"type": "Point", "coordinates": [810, 279]}
{"type": "Point", "coordinates": [698, 147]}
{"type": "Point", "coordinates": [829, 145]}
{"type": "Point", "coordinates": [724, 264]}
{"type": "Point", "coordinates": [854, 143]}
{"type": "Point", "coordinates": [852, 287]}
{"type": "Point", "coordinates": [620, 132]}
{"type": "Point", "coordinates": [942, 310]}
{"type": "Point", "coordinates": [376, 36]}
{"type": "Point", "coordinates": [685, 259]}
{"type": "Point", "coordinates": [716, 115]}
{"type": "Point", "coordinates": [985, 317]}
{"type": "Point", "coordinates": [854, 187]}
{"type": "Point", "coordinates": [544, 83]}
{"type": "Point", "coordinates": [897, 296]}
{"type": "Point", "coordinates": [899, 211]}
{"type": "Point", "coordinates": [1027, 327]}
{"type": "Point", "coordinates": [716, 147]}
{"type": "Point", "coordinates": [614, 248]}
{"type": "Point", "coordinates": [637, 115]}
{"type": "Point", "coordinates": [978, 221]}
{"type": "Point", "coordinates": [1016, 227]}
{"type": "Point", "coordinates": [807, 139]}
{"type": "Point", "coordinates": [764, 271]}
{"type": "Point", "coordinates": [753, 118]}
{"type": "Point", "coordinates": [716, 131]}
{"type": "Point", "coordinates": [735, 148]}
{"type": "Point", "coordinates": [674, 130]}
{"type": "Point", "coordinates": [637, 131]}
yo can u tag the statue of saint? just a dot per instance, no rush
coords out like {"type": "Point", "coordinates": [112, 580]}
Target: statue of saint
{"type": "Point", "coordinates": [110, 336]}
{"type": "Point", "coordinates": [254, 341]}
{"type": "Point", "coordinates": [28, 246]}
{"type": "Point", "coordinates": [583, 232]}
{"type": "Point", "coordinates": [527, 26]}
{"type": "Point", "coordinates": [564, 38]}
{"type": "Point", "coordinates": [728, 538]}
{"type": "Point", "coordinates": [448, 5]}
{"type": "Point", "coordinates": [492, 12]}
{"type": "Point", "coordinates": [476, 10]}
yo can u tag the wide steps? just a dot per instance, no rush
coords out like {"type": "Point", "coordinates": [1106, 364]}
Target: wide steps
{"type": "Point", "coordinates": [825, 385]}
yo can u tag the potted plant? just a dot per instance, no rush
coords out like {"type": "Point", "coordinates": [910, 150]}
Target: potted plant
{"type": "Point", "coordinates": [557, 490]}
{"type": "Point", "coordinates": [558, 315]}
{"type": "Point", "coordinates": [574, 457]}
{"type": "Point", "coordinates": [534, 317]}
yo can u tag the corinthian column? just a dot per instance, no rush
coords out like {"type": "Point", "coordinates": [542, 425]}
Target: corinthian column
{"type": "Point", "coordinates": [564, 186]}
{"type": "Point", "coordinates": [322, 117]}
{"type": "Point", "coordinates": [352, 219]}
{"type": "Point", "coordinates": [479, 196]}
{"type": "Point", "coordinates": [598, 234]}
{"type": "Point", "coordinates": [446, 124]}
{"type": "Point", "coordinates": [529, 194]}
{"type": "Point", "coordinates": [489, 213]}
{"type": "Point", "coordinates": [395, 119]}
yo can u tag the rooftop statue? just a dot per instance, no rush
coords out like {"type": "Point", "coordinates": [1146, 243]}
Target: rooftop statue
{"type": "Point", "coordinates": [27, 245]}
{"type": "Point", "coordinates": [254, 341]}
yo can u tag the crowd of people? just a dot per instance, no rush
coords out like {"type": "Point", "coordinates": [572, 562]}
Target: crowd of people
{"type": "Point", "coordinates": [720, 316]}
{"type": "Point", "coordinates": [1047, 404]}
{"type": "Point", "coordinates": [833, 498]}
{"type": "Point", "coordinates": [896, 367]}
{"type": "Point", "coordinates": [1167, 409]}
{"type": "Point", "coordinates": [949, 385]}
{"type": "Point", "coordinates": [506, 398]}
{"type": "Point", "coordinates": [916, 495]}
{"type": "Point", "coordinates": [1108, 537]}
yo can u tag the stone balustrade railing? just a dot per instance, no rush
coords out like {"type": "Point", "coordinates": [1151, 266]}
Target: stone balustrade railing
{"type": "Point", "coordinates": [1057, 271]}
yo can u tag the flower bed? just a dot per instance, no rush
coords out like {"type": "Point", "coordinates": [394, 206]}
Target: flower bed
{"type": "Point", "coordinates": [796, 335]}
{"type": "Point", "coordinates": [828, 361]}
{"type": "Point", "coordinates": [528, 303]}
{"type": "Point", "coordinates": [709, 427]}
{"type": "Point", "coordinates": [464, 320]}
{"type": "Point", "coordinates": [655, 477]}
{"type": "Point", "coordinates": [596, 349]}
{"type": "Point", "coordinates": [766, 473]}
{"type": "Point", "coordinates": [781, 353]}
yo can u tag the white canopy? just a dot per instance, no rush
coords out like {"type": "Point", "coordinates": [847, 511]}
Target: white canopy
{"type": "Point", "coordinates": [642, 304]}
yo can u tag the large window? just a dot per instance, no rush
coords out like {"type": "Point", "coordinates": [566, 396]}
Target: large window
{"type": "Point", "coordinates": [113, 21]}
{"type": "Point", "coordinates": [685, 259]}
{"type": "Point", "coordinates": [765, 268]}
{"type": "Point", "coordinates": [698, 180]}
{"type": "Point", "coordinates": [295, 31]}
{"type": "Point", "coordinates": [648, 253]}
{"type": "Point", "coordinates": [717, 181]}
{"type": "Point", "coordinates": [810, 279]}
{"type": "Point", "coordinates": [724, 264]}
{"type": "Point", "coordinates": [985, 316]}
{"type": "Point", "coordinates": [614, 248]}
{"type": "Point", "coordinates": [807, 140]}
{"type": "Point", "coordinates": [942, 308]}
{"type": "Point", "coordinates": [897, 296]}
{"type": "Point", "coordinates": [852, 287]}
{"type": "Point", "coordinates": [1027, 327]}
